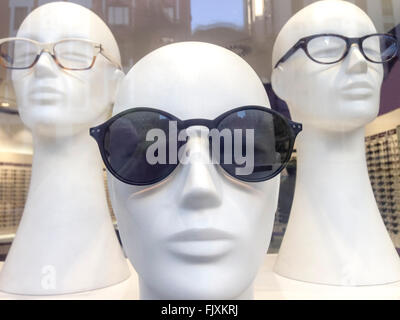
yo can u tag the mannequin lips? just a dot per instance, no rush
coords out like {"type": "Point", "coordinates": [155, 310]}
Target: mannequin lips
{"type": "Point", "coordinates": [44, 93]}
{"type": "Point", "coordinates": [200, 235]}
{"type": "Point", "coordinates": [200, 245]}
{"type": "Point", "coordinates": [358, 88]}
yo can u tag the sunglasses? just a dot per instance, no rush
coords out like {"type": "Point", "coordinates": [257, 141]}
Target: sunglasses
{"type": "Point", "coordinates": [124, 144]}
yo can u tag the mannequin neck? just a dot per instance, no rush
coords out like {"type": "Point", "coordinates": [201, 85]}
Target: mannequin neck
{"type": "Point", "coordinates": [321, 147]}
{"type": "Point", "coordinates": [65, 146]}
{"type": "Point", "coordinates": [66, 213]}
{"type": "Point", "coordinates": [147, 293]}
{"type": "Point", "coordinates": [332, 165]}
{"type": "Point", "coordinates": [335, 225]}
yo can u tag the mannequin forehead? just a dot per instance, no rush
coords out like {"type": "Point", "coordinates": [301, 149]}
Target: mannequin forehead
{"type": "Point", "coordinates": [191, 80]}
{"type": "Point", "coordinates": [59, 20]}
{"type": "Point", "coordinates": [329, 16]}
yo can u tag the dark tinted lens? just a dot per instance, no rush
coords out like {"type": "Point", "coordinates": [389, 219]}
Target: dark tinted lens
{"type": "Point", "coordinates": [126, 147]}
{"type": "Point", "coordinates": [270, 150]}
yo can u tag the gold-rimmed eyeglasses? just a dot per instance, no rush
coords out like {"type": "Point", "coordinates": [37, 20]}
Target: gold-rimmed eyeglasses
{"type": "Point", "coordinates": [70, 54]}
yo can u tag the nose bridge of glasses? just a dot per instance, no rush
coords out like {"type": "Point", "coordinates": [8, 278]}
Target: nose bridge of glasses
{"type": "Point", "coordinates": [355, 51]}
{"type": "Point", "coordinates": [356, 43]}
{"type": "Point", "coordinates": [198, 122]}
{"type": "Point", "coordinates": [46, 48]}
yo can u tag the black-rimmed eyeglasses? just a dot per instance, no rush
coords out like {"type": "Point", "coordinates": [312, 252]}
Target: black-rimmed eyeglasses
{"type": "Point", "coordinates": [332, 48]}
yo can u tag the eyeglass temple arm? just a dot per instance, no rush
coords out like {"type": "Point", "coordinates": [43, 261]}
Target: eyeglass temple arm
{"type": "Point", "coordinates": [288, 54]}
{"type": "Point", "coordinates": [109, 58]}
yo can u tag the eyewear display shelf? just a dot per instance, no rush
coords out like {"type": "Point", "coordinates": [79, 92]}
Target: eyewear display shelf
{"type": "Point", "coordinates": [383, 159]}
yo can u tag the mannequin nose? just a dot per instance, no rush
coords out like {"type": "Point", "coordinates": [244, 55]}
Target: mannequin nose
{"type": "Point", "coordinates": [356, 61]}
{"type": "Point", "coordinates": [200, 190]}
{"type": "Point", "coordinates": [46, 66]}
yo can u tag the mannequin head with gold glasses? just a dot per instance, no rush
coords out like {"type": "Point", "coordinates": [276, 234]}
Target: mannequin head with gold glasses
{"type": "Point", "coordinates": [65, 71]}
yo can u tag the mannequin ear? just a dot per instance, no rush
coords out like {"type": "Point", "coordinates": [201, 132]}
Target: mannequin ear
{"type": "Point", "coordinates": [277, 82]}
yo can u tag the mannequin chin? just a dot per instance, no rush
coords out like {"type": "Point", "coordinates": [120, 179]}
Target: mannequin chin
{"type": "Point", "coordinates": [66, 207]}
{"type": "Point", "coordinates": [56, 114]}
{"type": "Point", "coordinates": [316, 93]}
{"type": "Point", "coordinates": [335, 233]}
{"type": "Point", "coordinates": [194, 80]}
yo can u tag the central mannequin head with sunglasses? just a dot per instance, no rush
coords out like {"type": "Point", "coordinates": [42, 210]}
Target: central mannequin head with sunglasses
{"type": "Point", "coordinates": [328, 66]}
{"type": "Point", "coordinates": [199, 233]}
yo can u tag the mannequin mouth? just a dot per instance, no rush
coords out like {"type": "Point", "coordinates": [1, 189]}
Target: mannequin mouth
{"type": "Point", "coordinates": [44, 93]}
{"type": "Point", "coordinates": [360, 89]}
{"type": "Point", "coordinates": [200, 245]}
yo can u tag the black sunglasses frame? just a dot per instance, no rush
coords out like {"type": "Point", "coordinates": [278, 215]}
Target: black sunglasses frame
{"type": "Point", "coordinates": [99, 134]}
{"type": "Point", "coordinates": [303, 43]}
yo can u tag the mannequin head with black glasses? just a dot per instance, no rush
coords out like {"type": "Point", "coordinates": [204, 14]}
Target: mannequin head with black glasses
{"type": "Point", "coordinates": [65, 66]}
{"type": "Point", "coordinates": [196, 232]}
{"type": "Point", "coordinates": [328, 65]}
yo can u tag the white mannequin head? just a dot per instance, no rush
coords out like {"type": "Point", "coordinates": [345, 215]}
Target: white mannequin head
{"type": "Point", "coordinates": [194, 80]}
{"type": "Point", "coordinates": [315, 92]}
{"type": "Point", "coordinates": [52, 100]}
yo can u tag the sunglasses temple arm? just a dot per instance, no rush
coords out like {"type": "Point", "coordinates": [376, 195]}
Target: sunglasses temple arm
{"type": "Point", "coordinates": [96, 133]}
{"type": "Point", "coordinates": [297, 127]}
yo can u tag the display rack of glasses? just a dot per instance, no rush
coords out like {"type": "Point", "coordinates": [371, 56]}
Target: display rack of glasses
{"type": "Point", "coordinates": [14, 185]}
{"type": "Point", "coordinates": [383, 159]}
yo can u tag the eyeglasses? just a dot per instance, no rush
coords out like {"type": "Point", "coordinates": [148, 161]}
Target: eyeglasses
{"type": "Point", "coordinates": [69, 54]}
{"type": "Point", "coordinates": [332, 48]}
{"type": "Point", "coordinates": [123, 142]}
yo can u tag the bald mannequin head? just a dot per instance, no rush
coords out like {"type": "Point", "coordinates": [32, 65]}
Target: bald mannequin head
{"type": "Point", "coordinates": [323, 16]}
{"type": "Point", "coordinates": [315, 92]}
{"type": "Point", "coordinates": [194, 80]}
{"type": "Point", "coordinates": [51, 98]}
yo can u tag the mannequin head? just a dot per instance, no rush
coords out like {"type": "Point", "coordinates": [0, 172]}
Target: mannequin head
{"type": "Point", "coordinates": [194, 80]}
{"type": "Point", "coordinates": [52, 100]}
{"type": "Point", "coordinates": [318, 94]}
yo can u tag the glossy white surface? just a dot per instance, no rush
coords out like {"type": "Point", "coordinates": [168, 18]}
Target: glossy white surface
{"type": "Point", "coordinates": [66, 241]}
{"type": "Point", "coordinates": [161, 224]}
{"type": "Point", "coordinates": [267, 286]}
{"type": "Point", "coordinates": [335, 233]}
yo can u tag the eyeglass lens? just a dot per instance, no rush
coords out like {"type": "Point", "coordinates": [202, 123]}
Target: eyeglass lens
{"type": "Point", "coordinates": [331, 48]}
{"type": "Point", "coordinates": [71, 54]}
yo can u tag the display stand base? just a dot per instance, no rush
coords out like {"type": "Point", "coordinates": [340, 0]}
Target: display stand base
{"type": "Point", "coordinates": [126, 290]}
{"type": "Point", "coordinates": [271, 286]}
{"type": "Point", "coordinates": [268, 286]}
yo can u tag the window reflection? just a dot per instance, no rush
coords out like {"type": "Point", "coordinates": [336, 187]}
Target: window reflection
{"type": "Point", "coordinates": [247, 27]}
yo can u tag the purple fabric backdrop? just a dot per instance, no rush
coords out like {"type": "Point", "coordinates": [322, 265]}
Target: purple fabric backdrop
{"type": "Point", "coordinates": [390, 98]}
